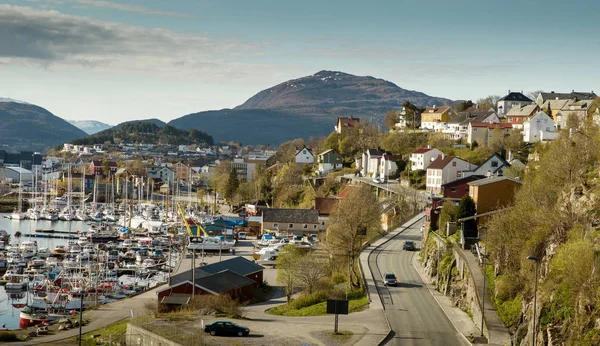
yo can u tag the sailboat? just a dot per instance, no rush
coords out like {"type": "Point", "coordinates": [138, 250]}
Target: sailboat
{"type": "Point", "coordinates": [17, 214]}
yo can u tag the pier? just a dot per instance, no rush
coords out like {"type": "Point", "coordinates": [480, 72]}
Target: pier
{"type": "Point", "coordinates": [49, 235]}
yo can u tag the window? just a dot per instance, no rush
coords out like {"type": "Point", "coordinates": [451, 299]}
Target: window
{"type": "Point", "coordinates": [454, 164]}
{"type": "Point", "coordinates": [276, 225]}
{"type": "Point", "coordinates": [305, 226]}
{"type": "Point", "coordinates": [315, 226]}
{"type": "Point", "coordinates": [452, 189]}
{"type": "Point", "coordinates": [494, 163]}
{"type": "Point", "coordinates": [291, 225]}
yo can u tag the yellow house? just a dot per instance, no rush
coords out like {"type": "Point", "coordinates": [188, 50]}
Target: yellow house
{"type": "Point", "coordinates": [493, 193]}
{"type": "Point", "coordinates": [433, 118]}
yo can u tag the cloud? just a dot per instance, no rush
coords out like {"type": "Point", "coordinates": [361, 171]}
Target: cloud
{"type": "Point", "coordinates": [109, 5]}
{"type": "Point", "coordinates": [52, 39]}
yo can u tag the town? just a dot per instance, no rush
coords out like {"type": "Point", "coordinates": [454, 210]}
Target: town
{"type": "Point", "coordinates": [198, 231]}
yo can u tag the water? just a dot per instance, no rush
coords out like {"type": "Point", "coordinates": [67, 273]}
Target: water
{"type": "Point", "coordinates": [9, 315]}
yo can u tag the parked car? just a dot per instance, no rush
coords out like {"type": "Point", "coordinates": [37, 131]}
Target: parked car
{"type": "Point", "coordinates": [226, 328]}
{"type": "Point", "coordinates": [389, 279]}
{"type": "Point", "coordinates": [376, 180]}
{"type": "Point", "coordinates": [409, 246]}
{"type": "Point", "coordinates": [241, 235]}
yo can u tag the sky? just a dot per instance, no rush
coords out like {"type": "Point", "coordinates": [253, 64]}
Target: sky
{"type": "Point", "coordinates": [113, 61]}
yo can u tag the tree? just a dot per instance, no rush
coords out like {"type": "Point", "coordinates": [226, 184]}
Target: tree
{"type": "Point", "coordinates": [332, 142]}
{"type": "Point", "coordinates": [467, 208]}
{"type": "Point", "coordinates": [462, 106]}
{"type": "Point", "coordinates": [496, 141]}
{"type": "Point", "coordinates": [287, 269]}
{"type": "Point", "coordinates": [549, 110]}
{"type": "Point", "coordinates": [390, 119]}
{"type": "Point", "coordinates": [488, 102]}
{"type": "Point", "coordinates": [354, 219]}
{"type": "Point", "coordinates": [232, 185]}
{"type": "Point", "coordinates": [311, 269]}
{"type": "Point", "coordinates": [448, 213]}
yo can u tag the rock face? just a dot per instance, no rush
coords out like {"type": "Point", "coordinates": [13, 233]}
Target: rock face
{"type": "Point", "coordinates": [305, 107]}
{"type": "Point", "coordinates": [25, 126]}
{"type": "Point", "coordinates": [90, 126]}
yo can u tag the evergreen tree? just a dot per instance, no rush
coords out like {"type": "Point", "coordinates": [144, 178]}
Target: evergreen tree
{"type": "Point", "coordinates": [232, 184]}
{"type": "Point", "coordinates": [466, 208]}
{"type": "Point", "coordinates": [549, 110]}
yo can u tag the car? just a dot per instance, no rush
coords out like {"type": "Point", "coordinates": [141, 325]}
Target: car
{"type": "Point", "coordinates": [226, 328]}
{"type": "Point", "coordinates": [241, 235]}
{"type": "Point", "coordinates": [409, 246]}
{"type": "Point", "coordinates": [389, 279]}
{"type": "Point", "coordinates": [376, 180]}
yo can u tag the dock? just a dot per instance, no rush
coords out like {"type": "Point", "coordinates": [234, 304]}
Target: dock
{"type": "Point", "coordinates": [53, 231]}
{"type": "Point", "coordinates": [49, 235]}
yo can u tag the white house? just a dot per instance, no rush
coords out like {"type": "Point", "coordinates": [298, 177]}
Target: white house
{"type": "Point", "coordinates": [160, 172]}
{"type": "Point", "coordinates": [493, 166]}
{"type": "Point", "coordinates": [420, 159]}
{"type": "Point", "coordinates": [539, 128]}
{"type": "Point", "coordinates": [443, 170]}
{"type": "Point", "coordinates": [387, 165]}
{"type": "Point", "coordinates": [457, 127]}
{"type": "Point", "coordinates": [368, 163]}
{"type": "Point", "coordinates": [304, 156]}
{"type": "Point", "coordinates": [511, 100]}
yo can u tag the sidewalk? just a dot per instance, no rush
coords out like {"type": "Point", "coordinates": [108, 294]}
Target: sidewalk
{"type": "Point", "coordinates": [498, 333]}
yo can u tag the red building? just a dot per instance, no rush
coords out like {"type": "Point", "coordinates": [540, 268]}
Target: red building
{"type": "Point", "coordinates": [432, 214]}
{"type": "Point", "coordinates": [459, 188]}
{"type": "Point", "coordinates": [96, 167]}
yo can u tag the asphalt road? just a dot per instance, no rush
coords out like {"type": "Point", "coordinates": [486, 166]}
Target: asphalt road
{"type": "Point", "coordinates": [414, 315]}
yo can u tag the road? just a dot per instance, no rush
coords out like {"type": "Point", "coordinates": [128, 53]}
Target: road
{"type": "Point", "coordinates": [414, 315]}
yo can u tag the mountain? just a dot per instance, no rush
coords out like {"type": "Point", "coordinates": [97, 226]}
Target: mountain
{"type": "Point", "coordinates": [25, 126]}
{"type": "Point", "coordinates": [90, 126]}
{"type": "Point", "coordinates": [154, 121]}
{"type": "Point", "coordinates": [148, 133]}
{"type": "Point", "coordinates": [305, 107]}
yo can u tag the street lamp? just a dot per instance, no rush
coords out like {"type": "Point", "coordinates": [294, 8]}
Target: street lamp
{"type": "Point", "coordinates": [484, 279]}
{"type": "Point", "coordinates": [537, 261]}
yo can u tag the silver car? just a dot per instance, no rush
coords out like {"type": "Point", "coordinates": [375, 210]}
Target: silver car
{"type": "Point", "coordinates": [389, 279]}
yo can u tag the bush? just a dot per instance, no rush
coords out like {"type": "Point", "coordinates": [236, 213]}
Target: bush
{"type": "Point", "coordinates": [309, 299]}
{"type": "Point", "coordinates": [338, 278]}
{"type": "Point", "coordinates": [8, 336]}
{"type": "Point", "coordinates": [216, 305]}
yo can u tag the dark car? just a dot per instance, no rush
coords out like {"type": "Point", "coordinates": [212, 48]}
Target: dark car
{"type": "Point", "coordinates": [226, 328]}
{"type": "Point", "coordinates": [409, 246]}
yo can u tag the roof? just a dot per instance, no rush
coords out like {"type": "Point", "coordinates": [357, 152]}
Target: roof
{"type": "Point", "coordinates": [421, 151]}
{"type": "Point", "coordinates": [554, 104]}
{"type": "Point", "coordinates": [290, 215]}
{"type": "Point", "coordinates": [238, 265]}
{"type": "Point", "coordinates": [436, 110]}
{"type": "Point", "coordinates": [110, 163]}
{"type": "Point", "coordinates": [464, 180]}
{"type": "Point", "coordinates": [540, 114]}
{"type": "Point", "coordinates": [468, 117]}
{"type": "Point", "coordinates": [516, 96]}
{"type": "Point", "coordinates": [375, 152]}
{"type": "Point", "coordinates": [20, 170]}
{"type": "Point", "coordinates": [578, 95]}
{"type": "Point", "coordinates": [493, 126]}
{"type": "Point", "coordinates": [303, 147]}
{"type": "Point", "coordinates": [325, 205]}
{"type": "Point", "coordinates": [440, 162]}
{"type": "Point", "coordinates": [177, 299]}
{"type": "Point", "coordinates": [223, 281]}
{"type": "Point", "coordinates": [348, 121]}
{"type": "Point", "coordinates": [492, 180]}
{"type": "Point", "coordinates": [329, 151]}
{"type": "Point", "coordinates": [522, 111]}
{"type": "Point", "coordinates": [347, 190]}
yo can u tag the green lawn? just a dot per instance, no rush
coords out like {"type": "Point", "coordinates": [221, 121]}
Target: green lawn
{"type": "Point", "coordinates": [317, 309]}
{"type": "Point", "coordinates": [116, 329]}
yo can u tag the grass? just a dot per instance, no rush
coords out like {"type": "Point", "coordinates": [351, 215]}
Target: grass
{"type": "Point", "coordinates": [116, 329]}
{"type": "Point", "coordinates": [318, 309]}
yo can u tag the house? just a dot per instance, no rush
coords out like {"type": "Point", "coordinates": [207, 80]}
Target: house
{"type": "Point", "coordinates": [237, 277]}
{"type": "Point", "coordinates": [539, 128]}
{"type": "Point", "coordinates": [325, 206]}
{"type": "Point", "coordinates": [582, 109]}
{"type": "Point", "coordinates": [555, 106]}
{"type": "Point", "coordinates": [304, 156]}
{"type": "Point", "coordinates": [493, 166]}
{"type": "Point", "coordinates": [388, 166]}
{"type": "Point", "coordinates": [25, 159]}
{"type": "Point", "coordinates": [345, 123]}
{"type": "Point", "coordinates": [96, 167]}
{"type": "Point", "coordinates": [518, 115]}
{"type": "Point", "coordinates": [544, 97]}
{"type": "Point", "coordinates": [421, 158]}
{"type": "Point", "coordinates": [435, 118]}
{"type": "Point", "coordinates": [493, 193]}
{"type": "Point", "coordinates": [405, 120]}
{"type": "Point", "coordinates": [445, 169]}
{"type": "Point", "coordinates": [18, 174]}
{"type": "Point", "coordinates": [290, 221]}
{"type": "Point", "coordinates": [163, 173]}
{"type": "Point", "coordinates": [182, 171]}
{"type": "Point", "coordinates": [245, 170]}
{"type": "Point", "coordinates": [510, 101]}
{"type": "Point", "coordinates": [481, 133]}
{"type": "Point", "coordinates": [368, 162]}
{"type": "Point", "coordinates": [457, 127]}
{"type": "Point", "coordinates": [455, 190]}
{"type": "Point", "coordinates": [328, 161]}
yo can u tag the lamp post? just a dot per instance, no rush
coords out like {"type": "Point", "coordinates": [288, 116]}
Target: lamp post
{"type": "Point", "coordinates": [484, 279]}
{"type": "Point", "coordinates": [537, 261]}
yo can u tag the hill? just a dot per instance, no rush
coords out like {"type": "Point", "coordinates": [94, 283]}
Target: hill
{"type": "Point", "coordinates": [305, 107]}
{"type": "Point", "coordinates": [90, 126]}
{"type": "Point", "coordinates": [25, 126]}
{"type": "Point", "coordinates": [148, 133]}
{"type": "Point", "coordinates": [154, 121]}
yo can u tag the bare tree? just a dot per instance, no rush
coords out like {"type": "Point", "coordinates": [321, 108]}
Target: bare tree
{"type": "Point", "coordinates": [355, 218]}
{"type": "Point", "coordinates": [287, 269]}
{"type": "Point", "coordinates": [311, 270]}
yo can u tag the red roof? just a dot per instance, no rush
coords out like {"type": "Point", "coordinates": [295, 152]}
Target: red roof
{"type": "Point", "coordinates": [325, 205]}
{"type": "Point", "coordinates": [492, 126]}
{"type": "Point", "coordinates": [421, 151]}
{"type": "Point", "coordinates": [440, 162]}
{"type": "Point", "coordinates": [347, 190]}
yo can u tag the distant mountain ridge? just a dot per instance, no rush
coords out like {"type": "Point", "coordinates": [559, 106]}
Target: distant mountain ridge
{"type": "Point", "coordinates": [154, 121]}
{"type": "Point", "coordinates": [90, 126]}
{"type": "Point", "coordinates": [305, 107]}
{"type": "Point", "coordinates": [24, 126]}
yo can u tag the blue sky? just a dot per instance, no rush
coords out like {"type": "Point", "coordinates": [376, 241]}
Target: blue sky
{"type": "Point", "coordinates": [114, 60]}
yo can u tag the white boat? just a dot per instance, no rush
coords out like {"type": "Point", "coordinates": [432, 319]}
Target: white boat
{"type": "Point", "coordinates": [14, 258]}
{"type": "Point", "coordinates": [208, 244]}
{"type": "Point", "coordinates": [60, 249]}
{"type": "Point", "coordinates": [267, 255]}
{"type": "Point", "coordinates": [43, 252]}
{"type": "Point", "coordinates": [17, 215]}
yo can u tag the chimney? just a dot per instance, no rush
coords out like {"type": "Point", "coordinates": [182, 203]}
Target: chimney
{"type": "Point", "coordinates": [428, 146]}
{"type": "Point", "coordinates": [509, 91]}
{"type": "Point", "coordinates": [443, 156]}
{"type": "Point", "coordinates": [552, 92]}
